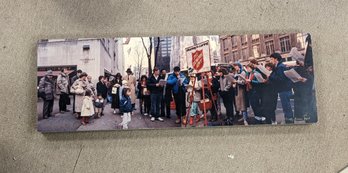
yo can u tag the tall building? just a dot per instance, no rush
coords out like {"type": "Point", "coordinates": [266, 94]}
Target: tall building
{"type": "Point", "coordinates": [94, 56]}
{"type": "Point", "coordinates": [164, 50]}
{"type": "Point", "coordinates": [260, 46]}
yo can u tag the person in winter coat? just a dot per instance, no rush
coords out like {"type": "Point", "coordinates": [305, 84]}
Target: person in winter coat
{"type": "Point", "coordinates": [115, 92]}
{"type": "Point", "coordinates": [144, 96]}
{"type": "Point", "coordinates": [99, 105]}
{"type": "Point", "coordinates": [87, 109]}
{"type": "Point", "coordinates": [102, 89]}
{"type": "Point", "coordinates": [177, 81]}
{"type": "Point", "coordinates": [72, 80]}
{"type": "Point", "coordinates": [269, 98]}
{"type": "Point", "coordinates": [126, 107]}
{"type": "Point", "coordinates": [79, 88]}
{"type": "Point", "coordinates": [155, 94]}
{"type": "Point", "coordinates": [240, 96]}
{"type": "Point", "coordinates": [302, 92]}
{"type": "Point", "coordinates": [131, 83]}
{"type": "Point", "coordinates": [255, 85]}
{"type": "Point", "coordinates": [194, 96]}
{"type": "Point", "coordinates": [91, 86]}
{"type": "Point", "coordinates": [227, 94]}
{"type": "Point", "coordinates": [283, 86]}
{"type": "Point", "coordinates": [46, 91]}
{"type": "Point", "coordinates": [63, 90]}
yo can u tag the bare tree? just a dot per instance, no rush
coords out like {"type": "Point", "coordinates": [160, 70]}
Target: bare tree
{"type": "Point", "coordinates": [148, 53]}
{"type": "Point", "coordinates": [139, 61]}
{"type": "Point", "coordinates": [156, 52]}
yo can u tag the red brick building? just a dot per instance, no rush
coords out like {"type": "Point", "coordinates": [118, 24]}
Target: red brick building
{"type": "Point", "coordinates": [260, 46]}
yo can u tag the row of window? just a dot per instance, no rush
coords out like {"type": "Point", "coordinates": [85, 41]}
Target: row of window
{"type": "Point", "coordinates": [285, 46]}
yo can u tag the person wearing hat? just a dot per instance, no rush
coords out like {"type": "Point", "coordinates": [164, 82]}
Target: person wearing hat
{"type": "Point", "coordinates": [282, 85]}
{"type": "Point", "coordinates": [129, 77]}
{"type": "Point", "coordinates": [46, 91]}
{"type": "Point", "coordinates": [302, 92]}
{"type": "Point", "coordinates": [79, 88]}
{"type": "Point", "coordinates": [177, 81]}
{"type": "Point", "coordinates": [156, 91]}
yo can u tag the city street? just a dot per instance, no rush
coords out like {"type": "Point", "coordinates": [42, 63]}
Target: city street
{"type": "Point", "coordinates": [61, 122]}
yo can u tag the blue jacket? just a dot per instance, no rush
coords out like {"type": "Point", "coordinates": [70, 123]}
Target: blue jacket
{"type": "Point", "coordinates": [173, 81]}
{"type": "Point", "coordinates": [126, 104]}
{"type": "Point", "coordinates": [278, 78]}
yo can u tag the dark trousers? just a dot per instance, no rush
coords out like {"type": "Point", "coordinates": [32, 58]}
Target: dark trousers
{"type": "Point", "coordinates": [228, 100]}
{"type": "Point", "coordinates": [47, 108]}
{"type": "Point", "coordinates": [63, 101]}
{"type": "Point", "coordinates": [165, 107]}
{"type": "Point", "coordinates": [213, 110]}
{"type": "Point", "coordinates": [255, 101]}
{"type": "Point", "coordinates": [269, 104]}
{"type": "Point", "coordinates": [180, 104]}
{"type": "Point", "coordinates": [74, 103]}
{"type": "Point", "coordinates": [302, 95]}
{"type": "Point", "coordinates": [145, 104]}
{"type": "Point", "coordinates": [286, 105]}
{"type": "Point", "coordinates": [155, 104]}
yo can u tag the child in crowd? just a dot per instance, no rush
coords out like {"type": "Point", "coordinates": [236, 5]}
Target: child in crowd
{"type": "Point", "coordinates": [87, 107]}
{"type": "Point", "coordinates": [98, 104]}
{"type": "Point", "coordinates": [126, 107]}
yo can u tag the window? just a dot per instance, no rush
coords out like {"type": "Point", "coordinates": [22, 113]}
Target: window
{"type": "Point", "coordinates": [235, 55]}
{"type": "Point", "coordinates": [255, 38]}
{"type": "Point", "coordinates": [85, 49]}
{"type": "Point", "coordinates": [268, 36]}
{"type": "Point", "coordinates": [285, 44]}
{"type": "Point", "coordinates": [256, 51]}
{"type": "Point", "coordinates": [245, 53]}
{"type": "Point", "coordinates": [234, 42]}
{"type": "Point", "coordinates": [244, 40]}
{"type": "Point", "coordinates": [225, 45]}
{"type": "Point", "coordinates": [269, 47]}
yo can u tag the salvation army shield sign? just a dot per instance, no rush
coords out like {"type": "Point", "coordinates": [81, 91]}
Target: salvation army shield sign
{"type": "Point", "coordinates": [197, 60]}
{"type": "Point", "coordinates": [198, 57]}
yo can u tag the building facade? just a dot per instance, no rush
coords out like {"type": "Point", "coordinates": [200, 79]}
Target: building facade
{"type": "Point", "coordinates": [163, 54]}
{"type": "Point", "coordinates": [260, 46]}
{"type": "Point", "coordinates": [94, 56]}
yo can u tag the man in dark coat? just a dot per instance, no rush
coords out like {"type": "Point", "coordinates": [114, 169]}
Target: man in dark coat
{"type": "Point", "coordinates": [46, 91]}
{"type": "Point", "coordinates": [155, 94]}
{"type": "Point", "coordinates": [283, 86]}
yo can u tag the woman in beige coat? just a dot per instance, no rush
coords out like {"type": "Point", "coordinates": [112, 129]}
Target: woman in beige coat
{"type": "Point", "coordinates": [131, 84]}
{"type": "Point", "coordinates": [79, 88]}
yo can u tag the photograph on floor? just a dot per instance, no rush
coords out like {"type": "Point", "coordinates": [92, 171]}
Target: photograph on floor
{"type": "Point", "coordinates": [93, 84]}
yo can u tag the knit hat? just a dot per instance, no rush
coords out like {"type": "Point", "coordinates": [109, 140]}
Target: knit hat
{"type": "Point", "coordinates": [49, 73]}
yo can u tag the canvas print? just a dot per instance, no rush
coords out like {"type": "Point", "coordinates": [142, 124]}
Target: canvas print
{"type": "Point", "coordinates": [89, 84]}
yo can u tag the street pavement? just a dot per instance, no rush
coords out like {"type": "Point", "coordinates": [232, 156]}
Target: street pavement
{"type": "Point", "coordinates": [65, 122]}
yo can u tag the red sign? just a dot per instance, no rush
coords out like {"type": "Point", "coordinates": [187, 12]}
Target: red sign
{"type": "Point", "coordinates": [197, 59]}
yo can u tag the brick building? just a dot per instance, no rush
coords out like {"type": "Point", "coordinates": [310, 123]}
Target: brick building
{"type": "Point", "coordinates": [260, 46]}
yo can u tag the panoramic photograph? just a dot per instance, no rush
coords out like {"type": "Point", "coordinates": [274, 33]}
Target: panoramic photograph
{"type": "Point", "coordinates": [95, 84]}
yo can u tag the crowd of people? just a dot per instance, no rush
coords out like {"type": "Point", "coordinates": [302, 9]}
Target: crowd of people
{"type": "Point", "coordinates": [242, 88]}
